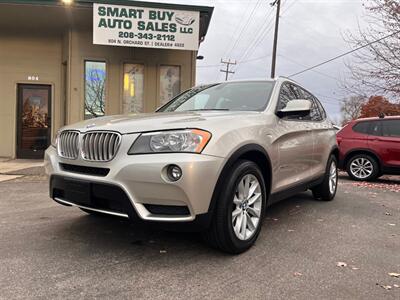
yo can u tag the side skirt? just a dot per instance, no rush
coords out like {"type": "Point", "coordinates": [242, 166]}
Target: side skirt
{"type": "Point", "coordinates": [281, 195]}
{"type": "Point", "coordinates": [389, 170]}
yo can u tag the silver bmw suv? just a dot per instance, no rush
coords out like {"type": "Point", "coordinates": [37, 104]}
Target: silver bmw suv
{"type": "Point", "coordinates": [212, 159]}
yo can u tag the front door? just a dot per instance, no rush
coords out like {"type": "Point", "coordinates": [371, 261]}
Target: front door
{"type": "Point", "coordinates": [295, 143]}
{"type": "Point", "coordinates": [33, 120]}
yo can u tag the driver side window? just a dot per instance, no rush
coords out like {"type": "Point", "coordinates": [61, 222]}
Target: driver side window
{"type": "Point", "coordinates": [288, 93]}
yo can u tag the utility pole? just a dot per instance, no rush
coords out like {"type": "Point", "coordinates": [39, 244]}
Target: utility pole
{"type": "Point", "coordinates": [278, 8]}
{"type": "Point", "coordinates": [227, 71]}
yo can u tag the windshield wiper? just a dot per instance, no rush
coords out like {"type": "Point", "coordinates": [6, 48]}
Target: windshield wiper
{"type": "Point", "coordinates": [205, 109]}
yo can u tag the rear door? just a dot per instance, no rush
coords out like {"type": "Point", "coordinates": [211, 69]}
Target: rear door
{"type": "Point", "coordinates": [359, 136]}
{"type": "Point", "coordinates": [384, 139]}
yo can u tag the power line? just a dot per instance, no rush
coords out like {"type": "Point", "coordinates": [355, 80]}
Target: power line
{"type": "Point", "coordinates": [209, 66]}
{"type": "Point", "coordinates": [243, 28]}
{"type": "Point", "coordinates": [253, 59]}
{"type": "Point", "coordinates": [238, 63]}
{"type": "Point", "coordinates": [330, 98]}
{"type": "Point", "coordinates": [238, 26]}
{"type": "Point", "coordinates": [258, 38]}
{"type": "Point", "coordinates": [289, 7]}
{"type": "Point", "coordinates": [344, 54]}
{"type": "Point", "coordinates": [302, 65]}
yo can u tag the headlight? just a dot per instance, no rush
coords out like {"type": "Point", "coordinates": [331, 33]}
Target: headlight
{"type": "Point", "coordinates": [189, 140]}
{"type": "Point", "coordinates": [54, 142]}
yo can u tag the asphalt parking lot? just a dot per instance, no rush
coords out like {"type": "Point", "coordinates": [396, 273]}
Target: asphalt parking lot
{"type": "Point", "coordinates": [48, 251]}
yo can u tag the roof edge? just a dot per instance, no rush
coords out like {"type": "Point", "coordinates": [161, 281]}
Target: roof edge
{"type": "Point", "coordinates": [89, 3]}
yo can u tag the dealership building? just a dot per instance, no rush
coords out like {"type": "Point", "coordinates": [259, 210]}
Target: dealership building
{"type": "Point", "coordinates": [63, 61]}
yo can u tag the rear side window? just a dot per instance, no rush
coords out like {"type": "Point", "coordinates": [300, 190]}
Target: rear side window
{"type": "Point", "coordinates": [391, 128]}
{"type": "Point", "coordinates": [361, 127]}
{"type": "Point", "coordinates": [375, 128]}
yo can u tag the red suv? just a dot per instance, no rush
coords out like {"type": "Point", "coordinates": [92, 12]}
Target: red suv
{"type": "Point", "coordinates": [370, 147]}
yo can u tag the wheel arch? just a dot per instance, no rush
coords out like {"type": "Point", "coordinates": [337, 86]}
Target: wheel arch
{"type": "Point", "coordinates": [335, 152]}
{"type": "Point", "coordinates": [358, 151]}
{"type": "Point", "coordinates": [252, 152]}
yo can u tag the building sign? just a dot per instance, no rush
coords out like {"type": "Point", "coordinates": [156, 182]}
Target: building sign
{"type": "Point", "coordinates": [132, 26]}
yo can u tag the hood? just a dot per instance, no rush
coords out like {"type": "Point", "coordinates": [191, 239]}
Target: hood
{"type": "Point", "coordinates": [134, 123]}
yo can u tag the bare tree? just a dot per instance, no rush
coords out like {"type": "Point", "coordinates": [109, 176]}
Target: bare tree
{"type": "Point", "coordinates": [351, 108]}
{"type": "Point", "coordinates": [375, 68]}
{"type": "Point", "coordinates": [95, 93]}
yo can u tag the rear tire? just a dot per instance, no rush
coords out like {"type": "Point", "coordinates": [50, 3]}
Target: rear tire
{"type": "Point", "coordinates": [363, 167]}
{"type": "Point", "coordinates": [326, 190]}
{"type": "Point", "coordinates": [240, 209]}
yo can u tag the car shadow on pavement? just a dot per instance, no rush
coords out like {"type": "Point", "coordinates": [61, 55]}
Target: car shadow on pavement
{"type": "Point", "coordinates": [109, 235]}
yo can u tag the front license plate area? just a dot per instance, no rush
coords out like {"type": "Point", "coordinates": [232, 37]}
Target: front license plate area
{"type": "Point", "coordinates": [77, 192]}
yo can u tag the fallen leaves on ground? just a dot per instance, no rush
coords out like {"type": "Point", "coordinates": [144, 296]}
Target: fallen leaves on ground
{"type": "Point", "coordinates": [389, 186]}
{"type": "Point", "coordinates": [341, 264]}
{"type": "Point", "coordinates": [386, 287]}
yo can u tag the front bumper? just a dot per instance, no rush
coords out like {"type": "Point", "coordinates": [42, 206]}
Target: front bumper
{"type": "Point", "coordinates": [142, 179]}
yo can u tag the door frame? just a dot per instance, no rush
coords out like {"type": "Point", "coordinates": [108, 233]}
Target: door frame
{"type": "Point", "coordinates": [24, 153]}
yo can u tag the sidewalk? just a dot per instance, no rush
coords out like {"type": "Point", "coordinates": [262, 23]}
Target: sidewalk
{"type": "Point", "coordinates": [15, 168]}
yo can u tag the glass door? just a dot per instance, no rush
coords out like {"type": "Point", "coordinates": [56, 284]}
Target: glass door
{"type": "Point", "coordinates": [33, 120]}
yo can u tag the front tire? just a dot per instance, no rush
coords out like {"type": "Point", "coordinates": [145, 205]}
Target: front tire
{"type": "Point", "coordinates": [326, 190]}
{"type": "Point", "coordinates": [240, 209]}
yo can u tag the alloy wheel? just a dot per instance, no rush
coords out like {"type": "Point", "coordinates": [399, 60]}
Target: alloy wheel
{"type": "Point", "coordinates": [333, 178]}
{"type": "Point", "coordinates": [361, 168]}
{"type": "Point", "coordinates": [247, 205]}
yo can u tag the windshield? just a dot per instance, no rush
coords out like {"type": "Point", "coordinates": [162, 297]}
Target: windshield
{"type": "Point", "coordinates": [236, 96]}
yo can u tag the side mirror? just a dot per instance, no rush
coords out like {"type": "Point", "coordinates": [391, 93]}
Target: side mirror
{"type": "Point", "coordinates": [295, 108]}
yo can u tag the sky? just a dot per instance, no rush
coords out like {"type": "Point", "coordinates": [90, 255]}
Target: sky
{"type": "Point", "coordinates": [310, 31]}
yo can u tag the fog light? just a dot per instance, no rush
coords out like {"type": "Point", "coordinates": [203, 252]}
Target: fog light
{"type": "Point", "coordinates": [174, 172]}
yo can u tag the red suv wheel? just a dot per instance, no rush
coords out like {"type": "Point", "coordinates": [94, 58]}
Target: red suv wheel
{"type": "Point", "coordinates": [362, 167]}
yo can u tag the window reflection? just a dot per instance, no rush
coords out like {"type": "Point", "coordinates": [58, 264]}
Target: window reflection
{"type": "Point", "coordinates": [95, 89]}
{"type": "Point", "coordinates": [133, 88]}
{"type": "Point", "coordinates": [170, 83]}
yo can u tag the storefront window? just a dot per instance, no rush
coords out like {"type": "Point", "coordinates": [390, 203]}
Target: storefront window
{"type": "Point", "coordinates": [133, 88]}
{"type": "Point", "coordinates": [95, 89]}
{"type": "Point", "coordinates": [170, 83]}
